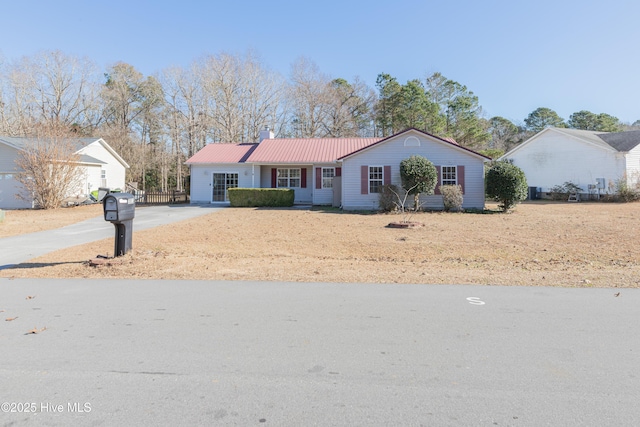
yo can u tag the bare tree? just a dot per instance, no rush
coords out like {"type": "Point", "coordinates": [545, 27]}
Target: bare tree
{"type": "Point", "coordinates": [309, 97]}
{"type": "Point", "coordinates": [54, 89]}
{"type": "Point", "coordinates": [349, 109]}
{"type": "Point", "coordinates": [132, 108]}
{"type": "Point", "coordinates": [243, 96]}
{"type": "Point", "coordinates": [50, 169]}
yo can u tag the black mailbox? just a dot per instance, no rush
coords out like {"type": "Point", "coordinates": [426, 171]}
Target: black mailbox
{"type": "Point", "coordinates": [120, 209]}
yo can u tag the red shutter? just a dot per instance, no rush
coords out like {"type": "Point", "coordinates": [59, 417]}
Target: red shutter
{"type": "Point", "coordinates": [338, 171]}
{"type": "Point", "coordinates": [274, 177]}
{"type": "Point", "coordinates": [303, 177]}
{"type": "Point", "coordinates": [387, 175]}
{"type": "Point", "coordinates": [364, 179]}
{"type": "Point", "coordinates": [318, 178]}
{"type": "Point", "coordinates": [460, 173]}
{"type": "Point", "coordinates": [437, 190]}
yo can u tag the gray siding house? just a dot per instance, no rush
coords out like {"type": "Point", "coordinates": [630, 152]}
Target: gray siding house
{"type": "Point", "coordinates": [345, 172]}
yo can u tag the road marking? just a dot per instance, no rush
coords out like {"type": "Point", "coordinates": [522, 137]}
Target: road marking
{"type": "Point", "coordinates": [475, 301]}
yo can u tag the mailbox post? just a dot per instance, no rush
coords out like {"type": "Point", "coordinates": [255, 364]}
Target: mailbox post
{"type": "Point", "coordinates": [119, 209]}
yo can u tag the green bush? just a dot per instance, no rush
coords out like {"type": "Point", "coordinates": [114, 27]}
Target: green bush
{"type": "Point", "coordinates": [261, 197]}
{"type": "Point", "coordinates": [452, 197]}
{"type": "Point", "coordinates": [419, 176]}
{"type": "Point", "coordinates": [506, 183]}
{"type": "Point", "coordinates": [388, 198]}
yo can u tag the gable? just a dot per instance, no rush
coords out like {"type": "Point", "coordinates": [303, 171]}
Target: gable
{"type": "Point", "coordinates": [552, 139]}
{"type": "Point", "coordinates": [99, 149]}
{"type": "Point", "coordinates": [414, 141]}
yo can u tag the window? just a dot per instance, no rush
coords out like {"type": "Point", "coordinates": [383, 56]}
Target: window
{"type": "Point", "coordinates": [103, 174]}
{"type": "Point", "coordinates": [327, 177]}
{"type": "Point", "coordinates": [289, 178]}
{"type": "Point", "coordinates": [221, 183]}
{"type": "Point", "coordinates": [375, 179]}
{"type": "Point", "coordinates": [449, 175]}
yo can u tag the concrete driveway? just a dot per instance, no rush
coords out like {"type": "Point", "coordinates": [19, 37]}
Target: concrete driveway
{"type": "Point", "coordinates": [18, 249]}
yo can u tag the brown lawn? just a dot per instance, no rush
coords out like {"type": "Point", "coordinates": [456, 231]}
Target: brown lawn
{"type": "Point", "coordinates": [24, 221]}
{"type": "Point", "coordinates": [539, 244]}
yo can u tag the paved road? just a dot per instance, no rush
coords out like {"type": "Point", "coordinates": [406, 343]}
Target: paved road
{"type": "Point", "coordinates": [186, 353]}
{"type": "Point", "coordinates": [18, 249]}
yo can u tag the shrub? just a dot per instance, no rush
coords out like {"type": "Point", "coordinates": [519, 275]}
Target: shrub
{"type": "Point", "coordinates": [558, 193]}
{"type": "Point", "coordinates": [388, 198]}
{"type": "Point", "coordinates": [507, 184]}
{"type": "Point", "coordinates": [418, 176]}
{"type": "Point", "coordinates": [261, 197]}
{"type": "Point", "coordinates": [452, 197]}
{"type": "Point", "coordinates": [561, 192]}
{"type": "Point", "coordinates": [626, 193]}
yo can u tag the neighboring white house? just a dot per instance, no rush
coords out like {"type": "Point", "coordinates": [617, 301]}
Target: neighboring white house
{"type": "Point", "coordinates": [345, 172]}
{"type": "Point", "coordinates": [594, 161]}
{"type": "Point", "coordinates": [102, 166]}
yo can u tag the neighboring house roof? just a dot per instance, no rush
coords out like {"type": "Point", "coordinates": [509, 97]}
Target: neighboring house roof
{"type": "Point", "coordinates": [19, 143]}
{"type": "Point", "coordinates": [90, 160]}
{"type": "Point", "coordinates": [313, 150]}
{"type": "Point", "coordinates": [223, 153]}
{"type": "Point", "coordinates": [622, 141]}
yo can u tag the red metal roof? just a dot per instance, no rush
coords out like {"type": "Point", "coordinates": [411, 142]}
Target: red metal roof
{"type": "Point", "coordinates": [315, 150]}
{"type": "Point", "coordinates": [223, 153]}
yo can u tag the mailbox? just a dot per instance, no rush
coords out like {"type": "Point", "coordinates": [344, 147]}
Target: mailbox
{"type": "Point", "coordinates": [120, 209]}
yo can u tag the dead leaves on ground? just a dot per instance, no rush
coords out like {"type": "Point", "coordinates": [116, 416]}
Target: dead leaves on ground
{"type": "Point", "coordinates": [36, 331]}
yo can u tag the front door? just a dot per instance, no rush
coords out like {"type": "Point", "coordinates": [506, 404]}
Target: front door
{"type": "Point", "coordinates": [221, 183]}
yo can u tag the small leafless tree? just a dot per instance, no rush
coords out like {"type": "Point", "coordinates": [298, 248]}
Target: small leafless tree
{"type": "Point", "coordinates": [50, 169]}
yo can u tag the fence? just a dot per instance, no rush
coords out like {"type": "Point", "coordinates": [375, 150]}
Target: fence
{"type": "Point", "coordinates": [160, 197]}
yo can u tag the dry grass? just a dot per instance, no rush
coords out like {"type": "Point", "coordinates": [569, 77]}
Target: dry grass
{"type": "Point", "coordinates": [22, 221]}
{"type": "Point", "coordinates": [540, 244]}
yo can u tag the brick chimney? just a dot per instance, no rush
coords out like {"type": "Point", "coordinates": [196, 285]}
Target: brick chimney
{"type": "Point", "coordinates": [265, 133]}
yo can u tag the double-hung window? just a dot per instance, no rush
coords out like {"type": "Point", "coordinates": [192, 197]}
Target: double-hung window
{"type": "Point", "coordinates": [449, 175]}
{"type": "Point", "coordinates": [376, 178]}
{"type": "Point", "coordinates": [289, 178]}
{"type": "Point", "coordinates": [327, 177]}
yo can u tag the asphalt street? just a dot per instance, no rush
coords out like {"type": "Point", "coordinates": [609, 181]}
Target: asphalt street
{"type": "Point", "coordinates": [21, 248]}
{"type": "Point", "coordinates": [185, 353]}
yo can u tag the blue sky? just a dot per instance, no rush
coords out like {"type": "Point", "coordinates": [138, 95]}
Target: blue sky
{"type": "Point", "coordinates": [567, 55]}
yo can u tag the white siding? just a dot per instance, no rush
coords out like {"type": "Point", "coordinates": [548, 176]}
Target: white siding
{"type": "Point", "coordinates": [115, 171]}
{"type": "Point", "coordinates": [633, 167]}
{"type": "Point", "coordinates": [552, 159]}
{"type": "Point", "coordinates": [393, 151]}
{"type": "Point", "coordinates": [202, 179]}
